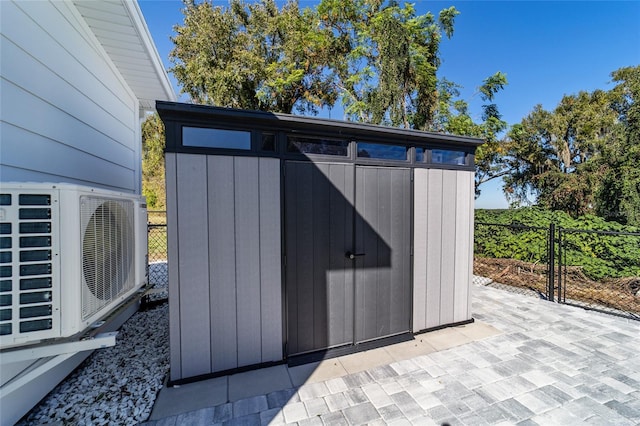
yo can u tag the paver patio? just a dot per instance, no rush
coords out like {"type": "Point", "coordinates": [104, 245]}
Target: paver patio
{"type": "Point", "coordinates": [524, 361]}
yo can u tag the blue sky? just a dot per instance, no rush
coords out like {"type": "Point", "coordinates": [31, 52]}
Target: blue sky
{"type": "Point", "coordinates": [546, 49]}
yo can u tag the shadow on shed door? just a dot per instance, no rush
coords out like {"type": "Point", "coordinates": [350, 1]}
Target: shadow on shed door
{"type": "Point", "coordinates": [333, 210]}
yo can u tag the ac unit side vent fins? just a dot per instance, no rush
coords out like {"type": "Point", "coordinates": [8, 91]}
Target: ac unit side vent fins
{"type": "Point", "coordinates": [27, 293]}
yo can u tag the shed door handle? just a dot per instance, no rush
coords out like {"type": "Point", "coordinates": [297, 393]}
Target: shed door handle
{"type": "Point", "coordinates": [352, 256]}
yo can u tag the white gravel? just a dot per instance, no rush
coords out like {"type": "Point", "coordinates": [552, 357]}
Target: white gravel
{"type": "Point", "coordinates": [158, 279]}
{"type": "Point", "coordinates": [116, 385]}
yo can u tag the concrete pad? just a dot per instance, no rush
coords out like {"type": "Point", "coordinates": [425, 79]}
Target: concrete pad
{"type": "Point", "coordinates": [258, 382]}
{"type": "Point", "coordinates": [316, 372]}
{"type": "Point", "coordinates": [410, 349]}
{"type": "Point", "coordinates": [446, 338]}
{"type": "Point", "coordinates": [361, 361]}
{"type": "Point", "coordinates": [189, 397]}
{"type": "Point", "coordinates": [478, 330]}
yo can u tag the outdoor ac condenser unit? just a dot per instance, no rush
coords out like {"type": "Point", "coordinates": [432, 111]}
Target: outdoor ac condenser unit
{"type": "Point", "coordinates": [68, 256]}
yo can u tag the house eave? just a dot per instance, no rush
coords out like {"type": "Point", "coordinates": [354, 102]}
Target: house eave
{"type": "Point", "coordinates": [120, 28]}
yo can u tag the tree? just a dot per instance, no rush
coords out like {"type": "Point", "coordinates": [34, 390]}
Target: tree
{"type": "Point", "coordinates": [618, 193]}
{"type": "Point", "coordinates": [253, 56]}
{"type": "Point", "coordinates": [378, 58]}
{"type": "Point", "coordinates": [583, 156]}
{"type": "Point", "coordinates": [153, 144]}
{"type": "Point", "coordinates": [387, 59]}
{"type": "Point", "coordinates": [453, 116]}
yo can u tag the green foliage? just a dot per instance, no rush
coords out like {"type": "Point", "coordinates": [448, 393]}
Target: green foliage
{"type": "Point", "coordinates": [618, 192]}
{"type": "Point", "coordinates": [378, 58]}
{"type": "Point", "coordinates": [582, 157]}
{"type": "Point", "coordinates": [153, 142]}
{"type": "Point", "coordinates": [253, 56]}
{"type": "Point", "coordinates": [493, 85]}
{"type": "Point", "coordinates": [599, 255]}
{"type": "Point", "coordinates": [387, 59]}
{"type": "Point", "coordinates": [551, 154]}
{"type": "Point", "coordinates": [453, 117]}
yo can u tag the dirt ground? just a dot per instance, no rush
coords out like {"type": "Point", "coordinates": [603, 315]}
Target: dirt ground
{"type": "Point", "coordinates": [621, 294]}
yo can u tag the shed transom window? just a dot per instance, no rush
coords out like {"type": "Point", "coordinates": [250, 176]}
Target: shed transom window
{"type": "Point", "coordinates": [216, 138]}
{"type": "Point", "coordinates": [442, 156]}
{"type": "Point", "coordinates": [382, 151]}
{"type": "Point", "coordinates": [318, 146]}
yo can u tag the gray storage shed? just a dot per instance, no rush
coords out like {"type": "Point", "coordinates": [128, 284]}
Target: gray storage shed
{"type": "Point", "coordinates": [293, 237]}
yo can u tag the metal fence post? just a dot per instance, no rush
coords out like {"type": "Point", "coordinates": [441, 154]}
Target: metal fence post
{"type": "Point", "coordinates": [560, 264]}
{"type": "Point", "coordinates": [552, 261]}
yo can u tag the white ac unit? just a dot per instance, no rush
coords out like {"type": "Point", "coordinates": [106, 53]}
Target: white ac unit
{"type": "Point", "coordinates": [69, 255]}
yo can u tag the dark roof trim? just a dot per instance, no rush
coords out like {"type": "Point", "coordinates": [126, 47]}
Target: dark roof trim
{"type": "Point", "coordinates": [174, 111]}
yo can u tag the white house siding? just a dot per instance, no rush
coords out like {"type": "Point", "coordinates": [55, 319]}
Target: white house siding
{"type": "Point", "coordinates": [224, 262]}
{"type": "Point", "coordinates": [67, 114]}
{"type": "Point", "coordinates": [443, 247]}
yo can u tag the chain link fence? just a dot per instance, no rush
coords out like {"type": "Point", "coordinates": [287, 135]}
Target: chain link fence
{"type": "Point", "coordinates": [513, 257]}
{"type": "Point", "coordinates": [597, 270]}
{"type": "Point", "coordinates": [157, 240]}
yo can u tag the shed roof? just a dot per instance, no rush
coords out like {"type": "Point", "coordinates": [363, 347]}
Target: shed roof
{"type": "Point", "coordinates": [122, 31]}
{"type": "Point", "coordinates": [205, 114]}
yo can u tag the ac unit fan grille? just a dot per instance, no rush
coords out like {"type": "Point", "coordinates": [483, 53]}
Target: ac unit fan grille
{"type": "Point", "coordinates": [107, 251]}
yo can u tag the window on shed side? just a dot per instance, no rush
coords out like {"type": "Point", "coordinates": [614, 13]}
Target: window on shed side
{"type": "Point", "coordinates": [382, 151]}
{"type": "Point", "coordinates": [442, 156]}
{"type": "Point", "coordinates": [202, 137]}
{"type": "Point", "coordinates": [318, 146]}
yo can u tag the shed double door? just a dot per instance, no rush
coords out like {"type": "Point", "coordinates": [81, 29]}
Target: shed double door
{"type": "Point", "coordinates": [347, 265]}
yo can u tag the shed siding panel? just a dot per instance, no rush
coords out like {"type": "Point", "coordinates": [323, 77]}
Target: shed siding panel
{"type": "Point", "coordinates": [420, 220]}
{"type": "Point", "coordinates": [59, 89]}
{"type": "Point", "coordinates": [367, 216]}
{"type": "Point", "coordinates": [291, 255]}
{"type": "Point", "coordinates": [387, 211]}
{"type": "Point", "coordinates": [301, 296]}
{"type": "Point", "coordinates": [229, 287]}
{"type": "Point", "coordinates": [270, 260]}
{"type": "Point", "coordinates": [434, 247]}
{"type": "Point", "coordinates": [222, 262]}
{"type": "Point", "coordinates": [448, 249]}
{"type": "Point", "coordinates": [319, 277]}
{"type": "Point", "coordinates": [248, 260]}
{"type": "Point", "coordinates": [173, 251]}
{"type": "Point", "coordinates": [382, 274]}
{"type": "Point", "coordinates": [463, 246]}
{"type": "Point", "coordinates": [193, 265]}
{"type": "Point", "coordinates": [339, 275]}
{"type": "Point", "coordinates": [401, 254]}
{"type": "Point", "coordinates": [320, 248]}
